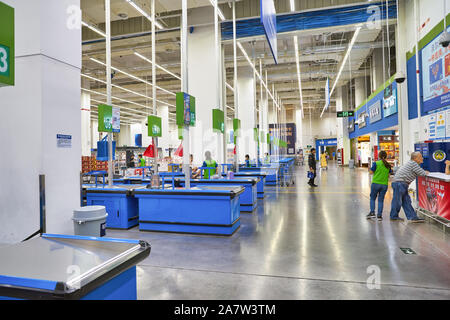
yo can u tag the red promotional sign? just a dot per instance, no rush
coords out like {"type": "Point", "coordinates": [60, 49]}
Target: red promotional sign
{"type": "Point", "coordinates": [434, 196]}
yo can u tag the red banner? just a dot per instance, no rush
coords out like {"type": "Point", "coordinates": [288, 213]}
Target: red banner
{"type": "Point", "coordinates": [434, 196]}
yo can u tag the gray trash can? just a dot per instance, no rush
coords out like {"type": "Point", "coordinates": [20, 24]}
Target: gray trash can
{"type": "Point", "coordinates": [90, 221]}
{"type": "Point", "coordinates": [351, 164]}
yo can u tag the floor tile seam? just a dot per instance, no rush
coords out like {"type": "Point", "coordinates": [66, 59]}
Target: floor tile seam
{"type": "Point", "coordinates": [294, 278]}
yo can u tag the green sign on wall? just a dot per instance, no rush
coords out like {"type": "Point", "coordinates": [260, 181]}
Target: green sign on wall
{"type": "Point", "coordinates": [185, 109]}
{"type": "Point", "coordinates": [218, 120]}
{"type": "Point", "coordinates": [154, 126]}
{"type": "Point", "coordinates": [105, 118]}
{"type": "Point", "coordinates": [7, 52]}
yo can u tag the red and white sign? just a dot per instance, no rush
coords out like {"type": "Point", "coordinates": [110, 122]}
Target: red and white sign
{"type": "Point", "coordinates": [434, 196]}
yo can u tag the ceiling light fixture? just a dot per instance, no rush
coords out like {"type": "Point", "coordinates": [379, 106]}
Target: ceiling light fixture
{"type": "Point", "coordinates": [157, 65]}
{"type": "Point", "coordinates": [355, 36]}
{"type": "Point", "coordinates": [145, 14]}
{"type": "Point", "coordinates": [100, 32]}
{"type": "Point", "coordinates": [133, 77]}
{"type": "Point", "coordinates": [222, 17]}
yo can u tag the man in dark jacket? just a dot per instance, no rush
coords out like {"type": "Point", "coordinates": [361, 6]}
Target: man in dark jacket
{"type": "Point", "coordinates": [312, 166]}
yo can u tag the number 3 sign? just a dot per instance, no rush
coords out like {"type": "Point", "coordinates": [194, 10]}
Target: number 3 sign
{"type": "Point", "coordinates": [4, 61]}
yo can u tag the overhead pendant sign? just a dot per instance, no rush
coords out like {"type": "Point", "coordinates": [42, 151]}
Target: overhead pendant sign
{"type": "Point", "coordinates": [327, 94]}
{"type": "Point", "coordinates": [108, 118]}
{"type": "Point", "coordinates": [269, 22]}
{"type": "Point", "coordinates": [7, 53]}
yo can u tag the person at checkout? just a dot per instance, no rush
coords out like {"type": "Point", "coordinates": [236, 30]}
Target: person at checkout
{"type": "Point", "coordinates": [247, 161]}
{"type": "Point", "coordinates": [209, 163]}
{"type": "Point", "coordinates": [141, 161]}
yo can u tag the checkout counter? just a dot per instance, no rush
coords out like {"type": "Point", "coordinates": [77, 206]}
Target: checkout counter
{"type": "Point", "coordinates": [248, 199]}
{"type": "Point", "coordinates": [259, 186]}
{"type": "Point", "coordinates": [203, 209]}
{"type": "Point", "coordinates": [56, 267]}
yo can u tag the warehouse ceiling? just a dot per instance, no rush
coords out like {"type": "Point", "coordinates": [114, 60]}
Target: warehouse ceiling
{"type": "Point", "coordinates": [321, 53]}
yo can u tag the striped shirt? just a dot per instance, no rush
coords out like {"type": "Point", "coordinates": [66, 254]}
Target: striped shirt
{"type": "Point", "coordinates": [409, 172]}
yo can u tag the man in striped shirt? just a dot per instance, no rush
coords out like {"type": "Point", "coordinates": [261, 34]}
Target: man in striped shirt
{"type": "Point", "coordinates": [402, 179]}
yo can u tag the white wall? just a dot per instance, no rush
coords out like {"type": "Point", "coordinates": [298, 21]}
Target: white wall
{"type": "Point", "coordinates": [320, 129]}
{"type": "Point", "coordinates": [430, 15]}
{"type": "Point", "coordinates": [34, 111]}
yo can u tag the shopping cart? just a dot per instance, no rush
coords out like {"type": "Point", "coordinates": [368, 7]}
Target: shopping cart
{"type": "Point", "coordinates": [287, 172]}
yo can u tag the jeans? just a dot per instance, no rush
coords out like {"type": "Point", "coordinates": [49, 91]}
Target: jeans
{"type": "Point", "coordinates": [377, 190]}
{"type": "Point", "coordinates": [401, 199]}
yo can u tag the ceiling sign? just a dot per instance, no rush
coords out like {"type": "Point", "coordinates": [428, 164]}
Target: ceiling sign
{"type": "Point", "coordinates": [269, 22]}
{"type": "Point", "coordinates": [345, 114]}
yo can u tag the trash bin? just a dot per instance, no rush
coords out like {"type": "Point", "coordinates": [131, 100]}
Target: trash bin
{"type": "Point", "coordinates": [90, 221]}
{"type": "Point", "coordinates": [351, 164]}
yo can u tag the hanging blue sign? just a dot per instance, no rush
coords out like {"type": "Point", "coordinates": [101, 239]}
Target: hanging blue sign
{"type": "Point", "coordinates": [269, 22]}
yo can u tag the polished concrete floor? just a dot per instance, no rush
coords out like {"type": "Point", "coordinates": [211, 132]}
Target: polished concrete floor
{"type": "Point", "coordinates": [302, 243]}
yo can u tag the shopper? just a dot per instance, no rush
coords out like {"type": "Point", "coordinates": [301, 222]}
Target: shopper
{"type": "Point", "coordinates": [380, 170]}
{"type": "Point", "coordinates": [247, 161]}
{"type": "Point", "coordinates": [323, 161]}
{"type": "Point", "coordinates": [266, 158]}
{"type": "Point", "coordinates": [209, 163]}
{"type": "Point", "coordinates": [131, 164]}
{"type": "Point", "coordinates": [447, 167]}
{"type": "Point", "coordinates": [402, 179]}
{"type": "Point", "coordinates": [312, 167]}
{"type": "Point", "coordinates": [141, 161]}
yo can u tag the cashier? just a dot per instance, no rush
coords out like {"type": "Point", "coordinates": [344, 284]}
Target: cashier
{"type": "Point", "coordinates": [210, 163]}
{"type": "Point", "coordinates": [247, 161]}
{"type": "Point", "coordinates": [447, 167]}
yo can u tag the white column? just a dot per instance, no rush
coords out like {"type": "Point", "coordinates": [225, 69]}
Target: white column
{"type": "Point", "coordinates": [85, 124]}
{"type": "Point", "coordinates": [246, 102]}
{"type": "Point", "coordinates": [44, 102]}
{"type": "Point", "coordinates": [343, 140]}
{"type": "Point", "coordinates": [203, 72]}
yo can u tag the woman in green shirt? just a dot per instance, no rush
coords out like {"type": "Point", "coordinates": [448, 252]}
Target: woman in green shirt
{"type": "Point", "coordinates": [381, 170]}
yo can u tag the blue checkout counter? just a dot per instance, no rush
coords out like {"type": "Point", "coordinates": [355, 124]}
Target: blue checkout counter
{"type": "Point", "coordinates": [121, 206]}
{"type": "Point", "coordinates": [248, 200]}
{"type": "Point", "coordinates": [56, 267]}
{"type": "Point", "coordinates": [210, 210]}
{"type": "Point", "coordinates": [259, 185]}
{"type": "Point", "coordinates": [272, 173]}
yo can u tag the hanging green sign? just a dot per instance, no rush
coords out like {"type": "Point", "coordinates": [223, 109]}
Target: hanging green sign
{"type": "Point", "coordinates": [218, 120]}
{"type": "Point", "coordinates": [154, 126]}
{"type": "Point", "coordinates": [256, 134]}
{"type": "Point", "coordinates": [237, 128]}
{"type": "Point", "coordinates": [7, 53]}
{"type": "Point", "coordinates": [185, 105]}
{"type": "Point", "coordinates": [105, 118]}
{"type": "Point", "coordinates": [180, 132]}
{"type": "Point", "coordinates": [268, 138]}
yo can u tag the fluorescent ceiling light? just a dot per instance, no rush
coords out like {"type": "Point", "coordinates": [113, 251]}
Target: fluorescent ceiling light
{"type": "Point", "coordinates": [221, 16]}
{"type": "Point", "coordinates": [344, 61]}
{"type": "Point", "coordinates": [94, 29]}
{"type": "Point", "coordinates": [229, 86]}
{"type": "Point", "coordinates": [299, 79]}
{"type": "Point", "coordinates": [127, 90]}
{"type": "Point", "coordinates": [133, 77]}
{"type": "Point", "coordinates": [145, 14]}
{"type": "Point", "coordinates": [256, 71]}
{"type": "Point", "coordinates": [292, 5]}
{"type": "Point", "coordinates": [157, 65]}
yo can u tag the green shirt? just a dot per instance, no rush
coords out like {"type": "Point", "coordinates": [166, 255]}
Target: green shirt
{"type": "Point", "coordinates": [208, 173]}
{"type": "Point", "coordinates": [381, 173]}
{"type": "Point", "coordinates": [142, 162]}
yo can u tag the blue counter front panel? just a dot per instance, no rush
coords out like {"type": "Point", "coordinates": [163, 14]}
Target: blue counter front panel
{"type": "Point", "coordinates": [248, 200]}
{"type": "Point", "coordinates": [123, 211]}
{"type": "Point", "coordinates": [201, 214]}
{"type": "Point", "coordinates": [272, 176]}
